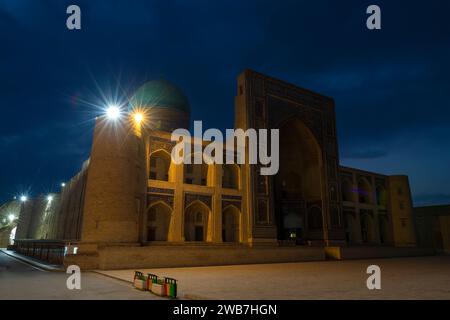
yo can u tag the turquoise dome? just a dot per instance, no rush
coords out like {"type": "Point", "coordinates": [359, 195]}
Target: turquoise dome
{"type": "Point", "coordinates": [161, 94]}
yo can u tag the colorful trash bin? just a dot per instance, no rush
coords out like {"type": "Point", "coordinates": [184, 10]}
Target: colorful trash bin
{"type": "Point", "coordinates": [151, 278]}
{"type": "Point", "coordinates": [140, 281]}
{"type": "Point", "coordinates": [158, 288]}
{"type": "Point", "coordinates": [170, 287]}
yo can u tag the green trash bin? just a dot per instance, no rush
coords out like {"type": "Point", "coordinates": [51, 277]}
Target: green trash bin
{"type": "Point", "coordinates": [152, 277]}
{"type": "Point", "coordinates": [171, 287]}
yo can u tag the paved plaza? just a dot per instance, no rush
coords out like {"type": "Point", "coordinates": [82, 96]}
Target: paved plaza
{"type": "Point", "coordinates": [19, 280]}
{"type": "Point", "coordinates": [401, 278]}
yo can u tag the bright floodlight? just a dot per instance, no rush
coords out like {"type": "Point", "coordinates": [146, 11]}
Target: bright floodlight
{"type": "Point", "coordinates": [63, 184]}
{"type": "Point", "coordinates": [49, 198]}
{"type": "Point", "coordinates": [138, 117]}
{"type": "Point", "coordinates": [23, 198]}
{"type": "Point", "coordinates": [11, 217]}
{"type": "Point", "coordinates": [113, 112]}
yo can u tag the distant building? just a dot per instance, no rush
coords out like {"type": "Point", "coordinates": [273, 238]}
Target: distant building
{"type": "Point", "coordinates": [131, 206]}
{"type": "Point", "coordinates": [433, 227]}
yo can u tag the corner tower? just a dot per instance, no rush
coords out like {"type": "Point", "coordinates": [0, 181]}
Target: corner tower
{"type": "Point", "coordinates": [402, 211]}
{"type": "Point", "coordinates": [113, 189]}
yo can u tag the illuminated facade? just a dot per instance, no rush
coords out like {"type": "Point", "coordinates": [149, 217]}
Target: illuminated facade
{"type": "Point", "coordinates": [131, 206]}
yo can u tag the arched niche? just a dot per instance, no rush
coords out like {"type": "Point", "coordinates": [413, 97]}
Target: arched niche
{"type": "Point", "coordinates": [161, 167]}
{"type": "Point", "coordinates": [196, 222]}
{"type": "Point", "coordinates": [158, 222]}
{"type": "Point", "coordinates": [230, 224]}
{"type": "Point", "coordinates": [364, 191]}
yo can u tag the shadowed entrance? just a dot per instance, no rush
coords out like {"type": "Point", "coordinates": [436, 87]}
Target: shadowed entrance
{"type": "Point", "coordinates": [298, 201]}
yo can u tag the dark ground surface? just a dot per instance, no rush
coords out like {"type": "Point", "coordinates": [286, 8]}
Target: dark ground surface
{"type": "Point", "coordinates": [19, 280]}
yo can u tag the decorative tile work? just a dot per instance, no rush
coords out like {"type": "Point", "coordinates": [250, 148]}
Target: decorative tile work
{"type": "Point", "coordinates": [191, 197]}
{"type": "Point", "coordinates": [154, 198]}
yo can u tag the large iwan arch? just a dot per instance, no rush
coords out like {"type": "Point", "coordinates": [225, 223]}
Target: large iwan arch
{"type": "Point", "coordinates": [298, 189]}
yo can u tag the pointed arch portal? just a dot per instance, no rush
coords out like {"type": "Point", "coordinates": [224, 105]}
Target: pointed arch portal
{"type": "Point", "coordinates": [230, 224]}
{"type": "Point", "coordinates": [196, 220]}
{"type": "Point", "coordinates": [158, 222]}
{"type": "Point", "coordinates": [298, 199]}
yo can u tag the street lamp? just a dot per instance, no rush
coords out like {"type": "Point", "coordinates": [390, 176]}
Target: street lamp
{"type": "Point", "coordinates": [138, 117]}
{"type": "Point", "coordinates": [23, 198]}
{"type": "Point", "coordinates": [11, 217]}
{"type": "Point", "coordinates": [113, 112]}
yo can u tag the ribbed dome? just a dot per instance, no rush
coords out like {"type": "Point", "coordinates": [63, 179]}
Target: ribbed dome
{"type": "Point", "coordinates": [165, 105]}
{"type": "Point", "coordinates": [160, 93]}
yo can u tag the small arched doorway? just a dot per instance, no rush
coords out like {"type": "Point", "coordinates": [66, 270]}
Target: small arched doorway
{"type": "Point", "coordinates": [230, 224]}
{"type": "Point", "coordinates": [158, 222]}
{"type": "Point", "coordinates": [196, 219]}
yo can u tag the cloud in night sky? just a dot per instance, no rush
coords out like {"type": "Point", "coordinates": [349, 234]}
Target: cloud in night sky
{"type": "Point", "coordinates": [391, 87]}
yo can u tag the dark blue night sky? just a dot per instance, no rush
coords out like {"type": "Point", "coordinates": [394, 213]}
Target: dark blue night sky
{"type": "Point", "coordinates": [391, 87]}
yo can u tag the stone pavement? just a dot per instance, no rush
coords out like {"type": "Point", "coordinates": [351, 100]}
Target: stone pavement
{"type": "Point", "coordinates": [401, 278]}
{"type": "Point", "coordinates": [19, 280]}
{"type": "Point", "coordinates": [31, 261]}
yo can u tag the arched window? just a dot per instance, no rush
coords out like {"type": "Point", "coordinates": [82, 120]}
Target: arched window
{"type": "Point", "coordinates": [315, 218]}
{"type": "Point", "coordinates": [364, 191]}
{"type": "Point", "coordinates": [381, 196]}
{"type": "Point", "coordinates": [160, 165]}
{"type": "Point", "coordinates": [230, 224]}
{"type": "Point", "coordinates": [158, 221]}
{"type": "Point", "coordinates": [230, 176]}
{"type": "Point", "coordinates": [196, 173]}
{"type": "Point", "coordinates": [347, 192]}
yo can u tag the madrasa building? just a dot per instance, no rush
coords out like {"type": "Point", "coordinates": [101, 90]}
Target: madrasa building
{"type": "Point", "coordinates": [131, 206]}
